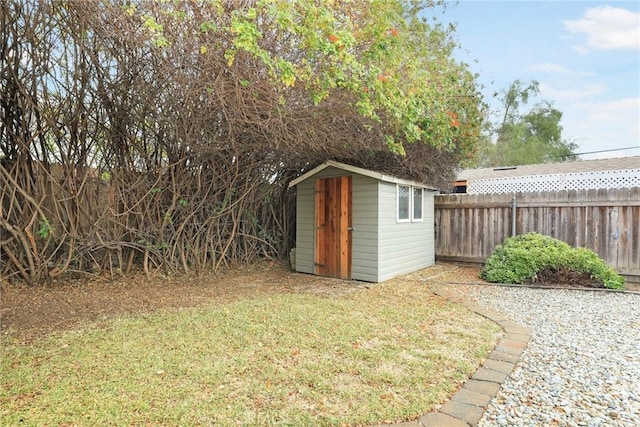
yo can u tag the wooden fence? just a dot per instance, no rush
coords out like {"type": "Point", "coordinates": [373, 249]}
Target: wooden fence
{"type": "Point", "coordinates": [470, 226]}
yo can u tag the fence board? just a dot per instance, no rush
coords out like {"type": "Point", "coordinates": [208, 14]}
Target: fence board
{"type": "Point", "coordinates": [470, 226]}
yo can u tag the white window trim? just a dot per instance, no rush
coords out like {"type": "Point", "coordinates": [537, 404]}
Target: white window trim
{"type": "Point", "coordinates": [411, 202]}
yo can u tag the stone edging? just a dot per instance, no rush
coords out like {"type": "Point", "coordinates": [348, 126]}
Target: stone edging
{"type": "Point", "coordinates": [466, 407]}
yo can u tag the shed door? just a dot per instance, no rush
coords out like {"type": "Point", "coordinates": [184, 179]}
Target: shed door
{"type": "Point", "coordinates": [333, 227]}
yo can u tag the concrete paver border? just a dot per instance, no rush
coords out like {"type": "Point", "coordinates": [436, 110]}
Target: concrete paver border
{"type": "Point", "coordinates": [469, 403]}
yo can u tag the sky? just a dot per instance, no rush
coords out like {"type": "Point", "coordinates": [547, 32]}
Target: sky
{"type": "Point", "coordinates": [584, 54]}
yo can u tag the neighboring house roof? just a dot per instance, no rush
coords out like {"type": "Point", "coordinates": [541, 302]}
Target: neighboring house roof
{"type": "Point", "coordinates": [619, 172]}
{"type": "Point", "coordinates": [617, 163]}
{"type": "Point", "coordinates": [360, 171]}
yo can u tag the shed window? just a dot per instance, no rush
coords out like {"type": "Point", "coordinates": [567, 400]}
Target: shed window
{"type": "Point", "coordinates": [404, 202]}
{"type": "Point", "coordinates": [417, 204]}
{"type": "Point", "coordinates": [410, 204]}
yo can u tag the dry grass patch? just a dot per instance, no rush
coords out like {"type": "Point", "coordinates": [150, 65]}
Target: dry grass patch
{"type": "Point", "coordinates": [387, 353]}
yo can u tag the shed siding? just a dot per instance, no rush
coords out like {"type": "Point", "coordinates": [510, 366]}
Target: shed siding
{"type": "Point", "coordinates": [364, 243]}
{"type": "Point", "coordinates": [407, 246]}
{"type": "Point", "coordinates": [305, 226]}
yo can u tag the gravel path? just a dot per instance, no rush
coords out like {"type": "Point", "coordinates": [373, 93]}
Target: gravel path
{"type": "Point", "coordinates": [582, 365]}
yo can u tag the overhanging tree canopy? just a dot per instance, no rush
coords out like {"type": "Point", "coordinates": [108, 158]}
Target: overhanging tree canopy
{"type": "Point", "coordinates": [351, 76]}
{"type": "Point", "coordinates": [163, 134]}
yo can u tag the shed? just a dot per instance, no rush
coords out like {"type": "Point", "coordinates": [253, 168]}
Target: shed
{"type": "Point", "coordinates": [617, 172]}
{"type": "Point", "coordinates": [354, 223]}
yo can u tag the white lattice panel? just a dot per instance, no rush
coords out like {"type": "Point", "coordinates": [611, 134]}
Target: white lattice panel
{"type": "Point", "coordinates": [626, 178]}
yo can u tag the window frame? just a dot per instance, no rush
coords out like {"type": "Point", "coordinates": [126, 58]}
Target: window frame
{"type": "Point", "coordinates": [411, 217]}
{"type": "Point", "coordinates": [413, 204]}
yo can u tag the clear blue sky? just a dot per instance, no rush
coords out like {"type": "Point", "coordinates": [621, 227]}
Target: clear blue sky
{"type": "Point", "coordinates": [585, 54]}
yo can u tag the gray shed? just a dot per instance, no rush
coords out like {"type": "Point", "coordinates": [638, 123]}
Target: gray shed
{"type": "Point", "coordinates": [354, 223]}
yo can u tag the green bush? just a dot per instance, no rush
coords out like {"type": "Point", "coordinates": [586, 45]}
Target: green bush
{"type": "Point", "coordinates": [520, 258]}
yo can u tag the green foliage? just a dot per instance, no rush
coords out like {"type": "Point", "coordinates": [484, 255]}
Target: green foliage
{"type": "Point", "coordinates": [154, 28]}
{"type": "Point", "coordinates": [530, 138]}
{"type": "Point", "coordinates": [46, 229]}
{"type": "Point", "coordinates": [520, 259]}
{"type": "Point", "coordinates": [586, 261]}
{"type": "Point", "coordinates": [396, 67]}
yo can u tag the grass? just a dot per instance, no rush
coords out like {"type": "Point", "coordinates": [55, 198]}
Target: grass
{"type": "Point", "coordinates": [388, 353]}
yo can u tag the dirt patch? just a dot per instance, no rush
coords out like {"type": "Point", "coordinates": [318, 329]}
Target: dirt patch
{"type": "Point", "coordinates": [564, 277]}
{"type": "Point", "coordinates": [33, 311]}
{"type": "Point", "coordinates": [561, 279]}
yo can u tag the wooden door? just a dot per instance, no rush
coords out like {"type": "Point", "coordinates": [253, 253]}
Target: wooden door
{"type": "Point", "coordinates": [333, 227]}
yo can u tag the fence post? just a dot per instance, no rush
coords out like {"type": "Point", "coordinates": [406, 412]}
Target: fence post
{"type": "Point", "coordinates": [514, 205]}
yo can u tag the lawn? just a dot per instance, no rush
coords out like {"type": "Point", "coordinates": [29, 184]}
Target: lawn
{"type": "Point", "coordinates": [390, 352]}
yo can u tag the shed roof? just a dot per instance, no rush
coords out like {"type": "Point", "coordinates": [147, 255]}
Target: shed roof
{"type": "Point", "coordinates": [617, 163]}
{"type": "Point", "coordinates": [353, 169]}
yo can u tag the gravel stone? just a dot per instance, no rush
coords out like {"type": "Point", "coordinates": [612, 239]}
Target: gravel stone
{"type": "Point", "coordinates": [582, 364]}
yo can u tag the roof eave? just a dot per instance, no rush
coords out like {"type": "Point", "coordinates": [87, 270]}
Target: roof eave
{"type": "Point", "coordinates": [360, 171]}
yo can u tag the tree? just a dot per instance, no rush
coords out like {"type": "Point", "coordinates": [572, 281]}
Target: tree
{"type": "Point", "coordinates": [534, 137]}
{"type": "Point", "coordinates": [162, 135]}
{"type": "Point", "coordinates": [377, 63]}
